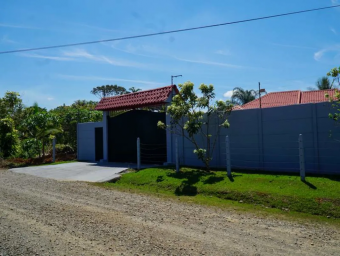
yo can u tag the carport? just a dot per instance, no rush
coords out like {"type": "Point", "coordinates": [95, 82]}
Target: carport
{"type": "Point", "coordinates": [126, 118]}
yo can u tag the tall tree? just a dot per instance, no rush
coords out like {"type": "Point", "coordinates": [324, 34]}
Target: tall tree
{"type": "Point", "coordinates": [322, 83]}
{"type": "Point", "coordinates": [108, 90]}
{"type": "Point", "coordinates": [335, 74]}
{"type": "Point", "coordinates": [9, 141]}
{"type": "Point", "coordinates": [241, 96]}
{"type": "Point", "coordinates": [133, 89]}
{"type": "Point", "coordinates": [11, 106]}
{"type": "Point", "coordinates": [69, 116]}
{"type": "Point", "coordinates": [85, 104]}
{"type": "Point", "coordinates": [40, 126]}
{"type": "Point", "coordinates": [198, 119]}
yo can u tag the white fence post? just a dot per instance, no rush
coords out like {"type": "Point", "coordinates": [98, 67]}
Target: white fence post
{"type": "Point", "coordinates": [228, 156]}
{"type": "Point", "coordinates": [138, 153]}
{"type": "Point", "coordinates": [177, 160]}
{"type": "Point", "coordinates": [302, 158]}
{"type": "Point", "coordinates": [53, 152]}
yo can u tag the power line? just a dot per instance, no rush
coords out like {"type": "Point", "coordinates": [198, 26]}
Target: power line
{"type": "Point", "coordinates": [169, 32]}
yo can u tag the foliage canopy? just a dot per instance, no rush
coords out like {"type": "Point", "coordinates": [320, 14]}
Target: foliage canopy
{"type": "Point", "coordinates": [198, 118]}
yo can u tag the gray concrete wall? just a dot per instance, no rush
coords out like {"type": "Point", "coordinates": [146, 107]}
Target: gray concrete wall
{"type": "Point", "coordinates": [86, 140]}
{"type": "Point", "coordinates": [267, 139]}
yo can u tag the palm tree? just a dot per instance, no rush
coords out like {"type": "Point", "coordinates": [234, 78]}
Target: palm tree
{"type": "Point", "coordinates": [133, 89]}
{"type": "Point", "coordinates": [323, 83]}
{"type": "Point", "coordinates": [241, 96]}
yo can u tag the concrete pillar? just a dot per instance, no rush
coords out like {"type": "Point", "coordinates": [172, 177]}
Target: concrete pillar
{"type": "Point", "coordinates": [169, 142]}
{"type": "Point", "coordinates": [105, 135]}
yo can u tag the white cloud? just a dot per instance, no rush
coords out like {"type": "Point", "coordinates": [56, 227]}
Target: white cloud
{"type": "Point", "coordinates": [82, 54]}
{"type": "Point", "coordinates": [332, 49]}
{"type": "Point", "coordinates": [110, 79]}
{"type": "Point", "coordinates": [17, 26]}
{"type": "Point", "coordinates": [33, 55]}
{"type": "Point", "coordinates": [318, 55]}
{"type": "Point", "coordinates": [31, 95]}
{"type": "Point", "coordinates": [222, 52]}
{"type": "Point", "coordinates": [228, 94]}
{"type": "Point", "coordinates": [6, 40]}
{"type": "Point", "coordinates": [334, 31]}
{"type": "Point", "coordinates": [293, 46]}
{"type": "Point", "coordinates": [211, 63]}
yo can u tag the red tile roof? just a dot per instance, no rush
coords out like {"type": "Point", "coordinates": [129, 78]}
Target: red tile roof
{"type": "Point", "coordinates": [316, 96]}
{"type": "Point", "coordinates": [139, 99]}
{"type": "Point", "coordinates": [279, 99]}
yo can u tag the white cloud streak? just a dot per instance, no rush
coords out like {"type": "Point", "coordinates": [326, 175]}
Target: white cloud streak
{"type": "Point", "coordinates": [228, 94]}
{"type": "Point", "coordinates": [320, 54]}
{"type": "Point", "coordinates": [293, 46]}
{"type": "Point", "coordinates": [212, 63]}
{"type": "Point", "coordinates": [109, 79]}
{"type": "Point", "coordinates": [38, 56]}
{"type": "Point", "coordinates": [5, 39]}
{"type": "Point", "coordinates": [222, 52]}
{"type": "Point", "coordinates": [82, 54]}
{"type": "Point", "coordinates": [17, 26]}
{"type": "Point", "coordinates": [334, 31]}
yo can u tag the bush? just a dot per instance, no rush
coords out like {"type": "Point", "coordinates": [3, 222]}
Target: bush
{"type": "Point", "coordinates": [30, 148]}
{"type": "Point", "coordinates": [64, 149]}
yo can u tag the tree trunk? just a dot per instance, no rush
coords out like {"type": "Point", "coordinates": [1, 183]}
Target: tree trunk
{"type": "Point", "coordinates": [43, 148]}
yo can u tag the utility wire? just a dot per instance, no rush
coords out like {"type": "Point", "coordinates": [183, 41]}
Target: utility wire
{"type": "Point", "coordinates": [170, 32]}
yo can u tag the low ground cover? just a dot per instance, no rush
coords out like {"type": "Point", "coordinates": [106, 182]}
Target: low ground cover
{"type": "Point", "coordinates": [22, 162]}
{"type": "Point", "coordinates": [316, 196]}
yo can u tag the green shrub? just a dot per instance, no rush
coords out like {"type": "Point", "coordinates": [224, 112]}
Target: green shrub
{"type": "Point", "coordinates": [64, 149]}
{"type": "Point", "coordinates": [30, 148]}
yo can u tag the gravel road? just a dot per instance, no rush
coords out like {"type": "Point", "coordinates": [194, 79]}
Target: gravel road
{"type": "Point", "coordinates": [46, 217]}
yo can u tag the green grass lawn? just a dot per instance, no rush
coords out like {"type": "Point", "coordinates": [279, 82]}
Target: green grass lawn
{"type": "Point", "coordinates": [285, 193]}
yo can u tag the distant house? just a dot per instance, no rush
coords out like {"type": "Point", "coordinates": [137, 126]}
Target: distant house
{"type": "Point", "coordinates": [287, 98]}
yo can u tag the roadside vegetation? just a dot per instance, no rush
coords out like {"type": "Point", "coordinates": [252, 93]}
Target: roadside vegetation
{"type": "Point", "coordinates": [283, 192]}
{"type": "Point", "coordinates": [26, 132]}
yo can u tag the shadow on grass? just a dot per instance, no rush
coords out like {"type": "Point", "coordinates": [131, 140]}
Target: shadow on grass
{"type": "Point", "coordinates": [192, 177]}
{"type": "Point", "coordinates": [186, 189]}
{"type": "Point", "coordinates": [331, 176]}
{"type": "Point", "coordinates": [309, 184]}
{"type": "Point", "coordinates": [160, 179]}
{"type": "Point", "coordinates": [213, 179]}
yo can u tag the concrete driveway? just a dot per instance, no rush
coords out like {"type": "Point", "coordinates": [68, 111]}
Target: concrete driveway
{"type": "Point", "coordinates": [79, 171]}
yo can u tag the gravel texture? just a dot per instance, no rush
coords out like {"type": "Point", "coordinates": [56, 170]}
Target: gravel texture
{"type": "Point", "coordinates": [46, 217]}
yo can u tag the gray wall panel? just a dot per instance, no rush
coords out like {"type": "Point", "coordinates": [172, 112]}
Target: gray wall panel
{"type": "Point", "coordinates": [86, 141]}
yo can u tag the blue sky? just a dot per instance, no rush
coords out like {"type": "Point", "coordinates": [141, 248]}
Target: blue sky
{"type": "Point", "coordinates": [286, 53]}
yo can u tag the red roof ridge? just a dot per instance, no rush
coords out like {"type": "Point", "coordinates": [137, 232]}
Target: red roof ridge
{"type": "Point", "coordinates": [143, 91]}
{"type": "Point", "coordinates": [283, 92]}
{"type": "Point", "coordinates": [153, 97]}
{"type": "Point", "coordinates": [326, 90]}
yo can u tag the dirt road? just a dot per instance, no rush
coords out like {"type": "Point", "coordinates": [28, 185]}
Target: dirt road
{"type": "Point", "coordinates": [47, 217]}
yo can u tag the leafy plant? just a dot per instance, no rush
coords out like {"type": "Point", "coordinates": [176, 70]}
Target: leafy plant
{"type": "Point", "coordinates": [108, 90]}
{"type": "Point", "coordinates": [335, 74]}
{"type": "Point", "coordinates": [9, 139]}
{"type": "Point", "coordinates": [30, 148]}
{"type": "Point", "coordinates": [241, 96]}
{"type": "Point", "coordinates": [193, 116]}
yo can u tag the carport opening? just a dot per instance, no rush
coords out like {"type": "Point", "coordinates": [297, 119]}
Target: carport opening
{"type": "Point", "coordinates": [135, 115]}
{"type": "Point", "coordinates": [123, 131]}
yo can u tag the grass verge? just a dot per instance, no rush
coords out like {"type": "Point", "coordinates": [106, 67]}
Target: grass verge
{"type": "Point", "coordinates": [318, 196]}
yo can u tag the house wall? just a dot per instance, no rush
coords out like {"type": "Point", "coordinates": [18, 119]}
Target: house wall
{"type": "Point", "coordinates": [86, 140]}
{"type": "Point", "coordinates": [267, 139]}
